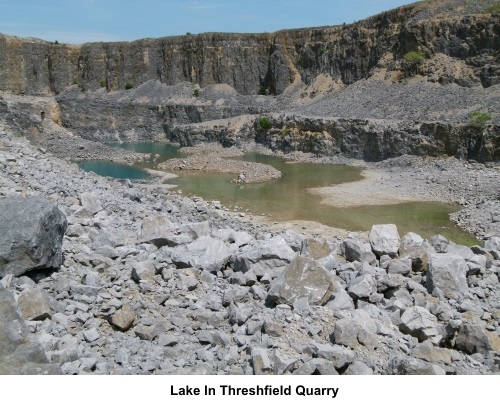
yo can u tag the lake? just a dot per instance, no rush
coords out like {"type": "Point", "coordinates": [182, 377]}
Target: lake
{"type": "Point", "coordinates": [287, 198]}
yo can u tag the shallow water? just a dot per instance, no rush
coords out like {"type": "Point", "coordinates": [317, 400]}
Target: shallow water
{"type": "Point", "coordinates": [112, 169]}
{"type": "Point", "coordinates": [287, 199]}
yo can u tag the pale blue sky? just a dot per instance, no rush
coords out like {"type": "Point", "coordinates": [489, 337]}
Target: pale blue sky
{"type": "Point", "coordinates": [78, 21]}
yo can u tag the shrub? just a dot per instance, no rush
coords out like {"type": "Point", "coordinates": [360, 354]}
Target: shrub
{"type": "Point", "coordinates": [196, 92]}
{"type": "Point", "coordinates": [285, 131]}
{"type": "Point", "coordinates": [103, 83]}
{"type": "Point", "coordinates": [414, 57]}
{"type": "Point", "coordinates": [262, 90]}
{"type": "Point", "coordinates": [479, 119]}
{"type": "Point", "coordinates": [128, 86]}
{"type": "Point", "coordinates": [412, 62]}
{"type": "Point", "coordinates": [265, 123]}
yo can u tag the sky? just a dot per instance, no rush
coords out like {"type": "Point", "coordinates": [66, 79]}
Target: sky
{"type": "Point", "coordinates": [80, 21]}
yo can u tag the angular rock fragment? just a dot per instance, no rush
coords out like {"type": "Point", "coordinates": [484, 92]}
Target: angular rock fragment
{"type": "Point", "coordinates": [267, 257]}
{"type": "Point", "coordinates": [31, 234]}
{"type": "Point", "coordinates": [426, 351]}
{"type": "Point", "coordinates": [411, 366]}
{"type": "Point", "coordinates": [475, 339]}
{"type": "Point", "coordinates": [362, 286]}
{"type": "Point", "coordinates": [260, 361]}
{"type": "Point", "coordinates": [400, 266]}
{"type": "Point", "coordinates": [90, 202]}
{"type": "Point", "coordinates": [302, 278]}
{"type": "Point", "coordinates": [206, 253]}
{"type": "Point", "coordinates": [384, 240]}
{"type": "Point", "coordinates": [315, 248]}
{"type": "Point", "coordinates": [412, 246]}
{"type": "Point", "coordinates": [34, 304]}
{"type": "Point", "coordinates": [358, 368]}
{"type": "Point", "coordinates": [143, 271]}
{"type": "Point", "coordinates": [123, 318]}
{"type": "Point", "coordinates": [156, 230]}
{"type": "Point", "coordinates": [356, 250]}
{"type": "Point", "coordinates": [447, 275]}
{"type": "Point", "coordinates": [420, 323]}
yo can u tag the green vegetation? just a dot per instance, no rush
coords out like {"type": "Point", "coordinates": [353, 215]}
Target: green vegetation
{"type": "Point", "coordinates": [196, 92]}
{"type": "Point", "coordinates": [414, 57]}
{"type": "Point", "coordinates": [18, 135]}
{"type": "Point", "coordinates": [188, 34]}
{"type": "Point", "coordinates": [103, 83]}
{"type": "Point", "coordinates": [412, 61]}
{"type": "Point", "coordinates": [128, 86]}
{"type": "Point", "coordinates": [479, 119]}
{"type": "Point", "coordinates": [262, 90]}
{"type": "Point", "coordinates": [285, 131]}
{"type": "Point", "coordinates": [265, 123]}
{"type": "Point", "coordinates": [493, 9]}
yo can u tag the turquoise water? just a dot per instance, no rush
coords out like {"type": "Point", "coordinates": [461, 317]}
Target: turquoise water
{"type": "Point", "coordinates": [287, 198]}
{"type": "Point", "coordinates": [112, 169]}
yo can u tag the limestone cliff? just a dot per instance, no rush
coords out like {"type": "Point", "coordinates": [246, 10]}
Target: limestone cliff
{"type": "Point", "coordinates": [354, 72]}
{"type": "Point", "coordinates": [247, 61]}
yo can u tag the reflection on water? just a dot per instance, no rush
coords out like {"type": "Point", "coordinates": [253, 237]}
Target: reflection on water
{"type": "Point", "coordinates": [287, 198]}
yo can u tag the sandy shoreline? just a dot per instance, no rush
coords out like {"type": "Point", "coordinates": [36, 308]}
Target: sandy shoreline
{"type": "Point", "coordinates": [376, 188]}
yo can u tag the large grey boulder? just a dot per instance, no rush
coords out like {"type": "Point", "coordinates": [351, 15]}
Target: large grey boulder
{"type": "Point", "coordinates": [34, 304]}
{"type": "Point", "coordinates": [315, 248]}
{"type": "Point", "coordinates": [91, 203]}
{"type": "Point", "coordinates": [475, 339]}
{"type": "Point", "coordinates": [268, 257]}
{"type": "Point", "coordinates": [384, 240]}
{"type": "Point", "coordinates": [412, 246]}
{"type": "Point", "coordinates": [156, 230]}
{"type": "Point", "coordinates": [446, 275]}
{"type": "Point", "coordinates": [31, 234]}
{"type": "Point", "coordinates": [420, 323]}
{"type": "Point", "coordinates": [362, 286]}
{"type": "Point", "coordinates": [302, 278]}
{"type": "Point", "coordinates": [356, 250]}
{"type": "Point", "coordinates": [206, 253]}
{"type": "Point", "coordinates": [123, 318]}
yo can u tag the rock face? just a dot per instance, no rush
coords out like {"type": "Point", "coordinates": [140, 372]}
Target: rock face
{"type": "Point", "coordinates": [246, 61]}
{"type": "Point", "coordinates": [31, 233]}
{"type": "Point", "coordinates": [89, 80]}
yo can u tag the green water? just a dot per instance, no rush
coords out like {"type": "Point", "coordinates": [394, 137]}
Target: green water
{"type": "Point", "coordinates": [287, 199]}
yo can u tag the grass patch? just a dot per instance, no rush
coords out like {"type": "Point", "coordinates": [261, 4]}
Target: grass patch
{"type": "Point", "coordinates": [265, 123]}
{"type": "Point", "coordinates": [128, 86]}
{"type": "Point", "coordinates": [479, 119]}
